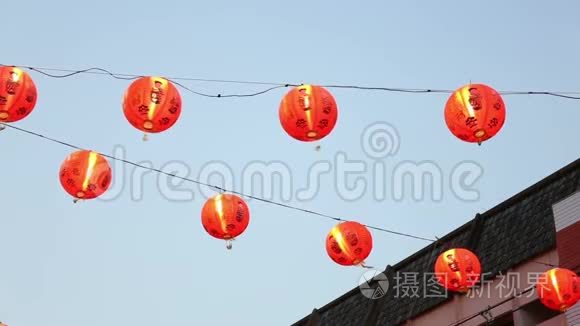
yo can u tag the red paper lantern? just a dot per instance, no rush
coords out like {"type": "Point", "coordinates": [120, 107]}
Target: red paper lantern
{"type": "Point", "coordinates": [225, 216]}
{"type": "Point", "coordinates": [457, 269]}
{"type": "Point", "coordinates": [17, 94]}
{"type": "Point", "coordinates": [558, 289]}
{"type": "Point", "coordinates": [152, 104]}
{"type": "Point", "coordinates": [85, 175]}
{"type": "Point", "coordinates": [349, 243]}
{"type": "Point", "coordinates": [475, 113]}
{"type": "Point", "coordinates": [308, 112]}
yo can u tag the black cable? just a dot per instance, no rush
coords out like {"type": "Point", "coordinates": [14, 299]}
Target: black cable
{"type": "Point", "coordinates": [88, 71]}
{"type": "Point", "coordinates": [216, 188]}
{"type": "Point", "coordinates": [390, 89]}
{"type": "Point", "coordinates": [122, 76]}
{"type": "Point", "coordinates": [545, 264]}
{"type": "Point", "coordinates": [101, 71]}
{"type": "Point", "coordinates": [228, 95]}
{"type": "Point", "coordinates": [72, 73]}
{"type": "Point", "coordinates": [556, 94]}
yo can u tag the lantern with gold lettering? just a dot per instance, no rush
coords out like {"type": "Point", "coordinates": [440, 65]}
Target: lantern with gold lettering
{"type": "Point", "coordinates": [85, 175]}
{"type": "Point", "coordinates": [558, 289]}
{"type": "Point", "coordinates": [474, 113]}
{"type": "Point", "coordinates": [17, 94]}
{"type": "Point", "coordinates": [225, 217]}
{"type": "Point", "coordinates": [349, 243]}
{"type": "Point", "coordinates": [457, 269]}
{"type": "Point", "coordinates": [152, 104]}
{"type": "Point", "coordinates": [308, 113]}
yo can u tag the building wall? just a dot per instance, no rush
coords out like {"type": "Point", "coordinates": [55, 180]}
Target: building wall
{"type": "Point", "coordinates": [559, 320]}
{"type": "Point", "coordinates": [567, 219]}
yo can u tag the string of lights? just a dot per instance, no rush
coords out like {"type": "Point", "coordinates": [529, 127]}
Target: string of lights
{"type": "Point", "coordinates": [214, 187]}
{"type": "Point", "coordinates": [65, 73]}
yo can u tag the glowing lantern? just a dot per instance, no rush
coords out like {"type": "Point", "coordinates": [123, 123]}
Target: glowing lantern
{"type": "Point", "coordinates": [152, 104]}
{"type": "Point", "coordinates": [558, 289]}
{"type": "Point", "coordinates": [308, 113]}
{"type": "Point", "coordinates": [85, 175]}
{"type": "Point", "coordinates": [225, 217]}
{"type": "Point", "coordinates": [349, 243]}
{"type": "Point", "coordinates": [457, 269]}
{"type": "Point", "coordinates": [17, 94]}
{"type": "Point", "coordinates": [475, 113]}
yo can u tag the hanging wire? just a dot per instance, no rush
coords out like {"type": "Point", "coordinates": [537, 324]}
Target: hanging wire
{"type": "Point", "coordinates": [84, 71]}
{"type": "Point", "coordinates": [99, 71]}
{"type": "Point", "coordinates": [228, 95]}
{"type": "Point", "coordinates": [545, 264]}
{"type": "Point", "coordinates": [214, 187]}
{"type": "Point", "coordinates": [572, 95]}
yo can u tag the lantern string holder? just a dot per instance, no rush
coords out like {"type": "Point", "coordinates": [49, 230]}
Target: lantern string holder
{"type": "Point", "coordinates": [365, 266]}
{"type": "Point", "coordinates": [230, 243]}
{"type": "Point", "coordinates": [573, 95]}
{"type": "Point", "coordinates": [217, 188]}
{"type": "Point", "coordinates": [487, 315]}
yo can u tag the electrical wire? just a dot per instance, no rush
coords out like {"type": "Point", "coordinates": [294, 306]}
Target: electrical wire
{"type": "Point", "coordinates": [572, 95]}
{"type": "Point", "coordinates": [545, 264]}
{"type": "Point", "coordinates": [84, 71]}
{"type": "Point", "coordinates": [101, 71]}
{"type": "Point", "coordinates": [216, 188]}
{"type": "Point", "coordinates": [228, 95]}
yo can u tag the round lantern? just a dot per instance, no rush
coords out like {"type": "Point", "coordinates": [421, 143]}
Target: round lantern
{"type": "Point", "coordinates": [558, 289]}
{"type": "Point", "coordinates": [349, 243]}
{"type": "Point", "coordinates": [225, 217]}
{"type": "Point", "coordinates": [152, 104]}
{"type": "Point", "coordinates": [17, 94]}
{"type": "Point", "coordinates": [308, 112]}
{"type": "Point", "coordinates": [85, 175]}
{"type": "Point", "coordinates": [474, 113]}
{"type": "Point", "coordinates": [457, 269]}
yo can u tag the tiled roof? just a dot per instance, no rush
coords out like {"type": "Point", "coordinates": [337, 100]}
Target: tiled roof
{"type": "Point", "coordinates": [514, 231]}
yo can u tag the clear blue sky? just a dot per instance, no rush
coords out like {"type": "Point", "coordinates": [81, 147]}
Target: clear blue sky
{"type": "Point", "coordinates": [149, 262]}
